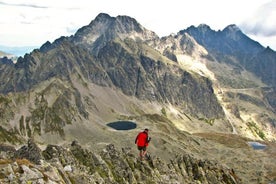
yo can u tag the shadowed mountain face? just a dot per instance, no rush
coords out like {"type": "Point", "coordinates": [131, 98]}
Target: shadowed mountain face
{"type": "Point", "coordinates": [211, 84]}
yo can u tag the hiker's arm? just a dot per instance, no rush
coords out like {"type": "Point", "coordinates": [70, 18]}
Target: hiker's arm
{"type": "Point", "coordinates": [136, 139]}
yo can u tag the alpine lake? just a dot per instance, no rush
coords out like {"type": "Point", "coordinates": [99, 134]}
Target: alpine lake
{"type": "Point", "coordinates": [122, 125]}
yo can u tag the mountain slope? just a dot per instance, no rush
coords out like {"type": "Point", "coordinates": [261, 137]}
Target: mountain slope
{"type": "Point", "coordinates": [121, 63]}
{"type": "Point", "coordinates": [192, 90]}
{"type": "Point", "coordinates": [220, 56]}
{"type": "Point", "coordinates": [75, 164]}
{"type": "Point", "coordinates": [234, 48]}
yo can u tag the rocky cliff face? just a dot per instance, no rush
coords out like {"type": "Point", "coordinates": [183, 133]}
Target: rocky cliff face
{"type": "Point", "coordinates": [74, 164]}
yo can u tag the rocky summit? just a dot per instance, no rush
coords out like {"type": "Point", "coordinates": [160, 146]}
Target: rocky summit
{"type": "Point", "coordinates": [206, 96]}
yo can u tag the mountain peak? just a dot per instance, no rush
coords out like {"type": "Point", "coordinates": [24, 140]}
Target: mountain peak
{"type": "Point", "coordinates": [234, 33]}
{"type": "Point", "coordinates": [204, 27]}
{"type": "Point", "coordinates": [231, 28]}
{"type": "Point", "coordinates": [102, 16]}
{"type": "Point", "coordinates": [200, 29]}
{"type": "Point", "coordinates": [105, 28]}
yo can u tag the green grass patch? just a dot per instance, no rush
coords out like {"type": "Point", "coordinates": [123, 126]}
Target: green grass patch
{"type": "Point", "coordinates": [208, 121]}
{"type": "Point", "coordinates": [256, 130]}
{"type": "Point", "coordinates": [163, 111]}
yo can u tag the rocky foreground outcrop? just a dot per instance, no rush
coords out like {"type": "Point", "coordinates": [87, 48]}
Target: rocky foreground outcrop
{"type": "Point", "coordinates": [74, 164]}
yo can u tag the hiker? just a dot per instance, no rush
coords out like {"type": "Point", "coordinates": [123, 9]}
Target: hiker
{"type": "Point", "coordinates": [142, 140]}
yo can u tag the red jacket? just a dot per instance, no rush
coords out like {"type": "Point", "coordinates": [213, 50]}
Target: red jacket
{"type": "Point", "coordinates": [141, 139]}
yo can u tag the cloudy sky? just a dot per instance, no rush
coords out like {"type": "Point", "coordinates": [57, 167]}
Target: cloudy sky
{"type": "Point", "coordinates": [33, 22]}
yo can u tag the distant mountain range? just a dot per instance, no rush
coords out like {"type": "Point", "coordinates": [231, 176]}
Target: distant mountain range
{"type": "Point", "coordinates": [200, 91]}
{"type": "Point", "coordinates": [17, 51]}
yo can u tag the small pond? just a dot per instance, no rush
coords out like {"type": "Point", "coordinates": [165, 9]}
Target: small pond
{"type": "Point", "coordinates": [122, 125]}
{"type": "Point", "coordinates": [257, 145]}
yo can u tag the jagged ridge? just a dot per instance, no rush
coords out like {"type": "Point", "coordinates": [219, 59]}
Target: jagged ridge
{"type": "Point", "coordinates": [75, 164]}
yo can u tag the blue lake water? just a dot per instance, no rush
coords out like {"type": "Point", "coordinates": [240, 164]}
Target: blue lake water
{"type": "Point", "coordinates": [122, 125]}
{"type": "Point", "coordinates": [257, 145]}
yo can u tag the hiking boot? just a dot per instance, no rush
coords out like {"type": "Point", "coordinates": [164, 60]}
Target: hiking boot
{"type": "Point", "coordinates": [147, 156]}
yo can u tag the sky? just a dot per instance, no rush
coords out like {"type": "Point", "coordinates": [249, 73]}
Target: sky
{"type": "Point", "coordinates": [33, 22]}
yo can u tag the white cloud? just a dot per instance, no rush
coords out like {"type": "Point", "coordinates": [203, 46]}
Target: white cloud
{"type": "Point", "coordinates": [33, 22]}
{"type": "Point", "coordinates": [261, 24]}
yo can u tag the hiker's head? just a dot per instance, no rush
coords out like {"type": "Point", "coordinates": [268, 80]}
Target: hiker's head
{"type": "Point", "coordinates": [146, 130]}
